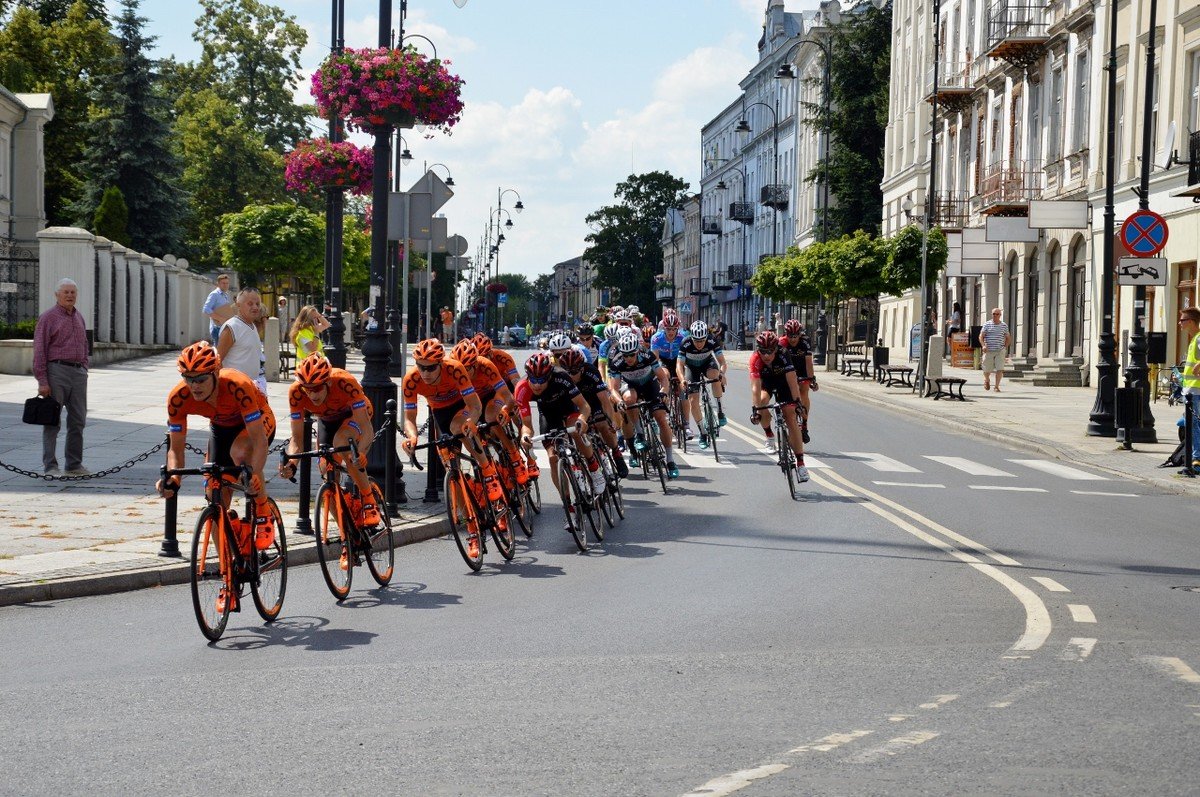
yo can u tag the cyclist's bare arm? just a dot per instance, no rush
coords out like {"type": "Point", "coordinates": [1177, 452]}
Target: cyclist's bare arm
{"type": "Point", "coordinates": [410, 430]}
{"type": "Point", "coordinates": [175, 454]}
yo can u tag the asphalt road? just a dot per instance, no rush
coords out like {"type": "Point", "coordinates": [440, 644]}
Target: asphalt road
{"type": "Point", "coordinates": [901, 629]}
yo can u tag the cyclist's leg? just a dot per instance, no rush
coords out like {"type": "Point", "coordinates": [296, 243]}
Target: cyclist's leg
{"type": "Point", "coordinates": [805, 399]}
{"type": "Point", "coordinates": [762, 398]}
{"type": "Point", "coordinates": [793, 431]}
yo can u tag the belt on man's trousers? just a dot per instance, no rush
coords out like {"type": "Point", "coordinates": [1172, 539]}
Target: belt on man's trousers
{"type": "Point", "coordinates": [67, 362]}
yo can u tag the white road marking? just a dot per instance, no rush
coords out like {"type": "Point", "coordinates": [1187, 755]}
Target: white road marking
{"type": "Point", "coordinates": [880, 462]}
{"type": "Point", "coordinates": [938, 702]}
{"type": "Point", "coordinates": [971, 467]}
{"type": "Point", "coordinates": [830, 742]}
{"type": "Point", "coordinates": [1078, 649]}
{"type": "Point", "coordinates": [1002, 488]}
{"type": "Point", "coordinates": [1106, 495]}
{"type": "Point", "coordinates": [697, 460]}
{"type": "Point", "coordinates": [900, 717]}
{"type": "Point", "coordinates": [1000, 704]}
{"type": "Point", "coordinates": [1081, 613]}
{"type": "Point", "coordinates": [756, 441]}
{"type": "Point", "coordinates": [728, 784]}
{"type": "Point", "coordinates": [1174, 667]}
{"type": "Point", "coordinates": [895, 746]}
{"type": "Point", "coordinates": [909, 484]}
{"type": "Point", "coordinates": [1060, 470]}
{"type": "Point", "coordinates": [542, 459]}
{"type": "Point", "coordinates": [1050, 584]}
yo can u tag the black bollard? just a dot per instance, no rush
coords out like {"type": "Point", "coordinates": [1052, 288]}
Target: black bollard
{"type": "Point", "coordinates": [389, 461]}
{"type": "Point", "coordinates": [304, 522]}
{"type": "Point", "coordinates": [170, 541]}
{"type": "Point", "coordinates": [433, 467]}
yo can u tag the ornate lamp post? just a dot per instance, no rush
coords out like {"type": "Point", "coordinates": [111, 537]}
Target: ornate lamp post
{"type": "Point", "coordinates": [336, 335]}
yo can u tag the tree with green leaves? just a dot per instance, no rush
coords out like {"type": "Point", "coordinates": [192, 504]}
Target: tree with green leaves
{"type": "Point", "coordinates": [626, 238]}
{"type": "Point", "coordinates": [251, 54]}
{"type": "Point", "coordinates": [112, 216]}
{"type": "Point", "coordinates": [903, 269]}
{"type": "Point", "coordinates": [266, 242]}
{"type": "Point", "coordinates": [129, 144]}
{"type": "Point", "coordinates": [51, 11]}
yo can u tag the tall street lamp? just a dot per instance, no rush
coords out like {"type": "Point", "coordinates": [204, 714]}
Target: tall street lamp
{"type": "Point", "coordinates": [740, 306]}
{"type": "Point", "coordinates": [336, 348]}
{"type": "Point", "coordinates": [518, 207]}
{"type": "Point", "coordinates": [743, 128]}
{"type": "Point", "coordinates": [397, 333]}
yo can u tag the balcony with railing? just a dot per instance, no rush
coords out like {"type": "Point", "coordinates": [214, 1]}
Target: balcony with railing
{"type": "Point", "coordinates": [954, 86]}
{"type": "Point", "coordinates": [698, 286]}
{"type": "Point", "coordinates": [742, 211]}
{"type": "Point", "coordinates": [1008, 188]}
{"type": "Point", "coordinates": [741, 273]}
{"type": "Point", "coordinates": [775, 196]}
{"type": "Point", "coordinates": [1017, 32]}
{"type": "Point", "coordinates": [710, 225]}
{"type": "Point", "coordinates": [950, 210]}
{"type": "Point", "coordinates": [664, 292]}
{"type": "Point", "coordinates": [721, 281]}
{"type": "Point", "coordinates": [1193, 189]}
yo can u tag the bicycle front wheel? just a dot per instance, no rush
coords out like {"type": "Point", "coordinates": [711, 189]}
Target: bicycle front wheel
{"type": "Point", "coordinates": [464, 518]}
{"type": "Point", "coordinates": [572, 502]}
{"type": "Point", "coordinates": [333, 545]}
{"type": "Point", "coordinates": [381, 559]}
{"type": "Point", "coordinates": [711, 426]}
{"type": "Point", "coordinates": [209, 577]}
{"type": "Point", "coordinates": [272, 571]}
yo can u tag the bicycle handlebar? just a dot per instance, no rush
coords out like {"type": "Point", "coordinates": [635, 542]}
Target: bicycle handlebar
{"type": "Point", "coordinates": [779, 404]}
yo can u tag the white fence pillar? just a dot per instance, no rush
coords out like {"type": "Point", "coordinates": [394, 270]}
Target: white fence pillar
{"type": "Point", "coordinates": [67, 252]}
{"type": "Point", "coordinates": [271, 348]}
{"type": "Point", "coordinates": [104, 290]}
{"type": "Point", "coordinates": [149, 298]}
{"type": "Point", "coordinates": [120, 294]}
{"type": "Point", "coordinates": [161, 292]}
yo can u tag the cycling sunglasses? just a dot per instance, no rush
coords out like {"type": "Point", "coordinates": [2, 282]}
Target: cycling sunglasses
{"type": "Point", "coordinates": [575, 371]}
{"type": "Point", "coordinates": [429, 369]}
{"type": "Point", "coordinates": [311, 388]}
{"type": "Point", "coordinates": [535, 381]}
{"type": "Point", "coordinates": [196, 379]}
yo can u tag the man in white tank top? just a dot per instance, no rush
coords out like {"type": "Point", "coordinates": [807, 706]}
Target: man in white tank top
{"type": "Point", "coordinates": [239, 345]}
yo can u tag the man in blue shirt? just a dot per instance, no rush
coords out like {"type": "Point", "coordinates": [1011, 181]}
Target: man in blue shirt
{"type": "Point", "coordinates": [219, 307]}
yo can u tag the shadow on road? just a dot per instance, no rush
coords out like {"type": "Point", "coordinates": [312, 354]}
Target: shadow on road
{"type": "Point", "coordinates": [410, 595]}
{"type": "Point", "coordinates": [309, 633]}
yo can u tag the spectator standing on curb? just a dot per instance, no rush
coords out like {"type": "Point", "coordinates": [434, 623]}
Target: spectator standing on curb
{"type": "Point", "coordinates": [239, 345]}
{"type": "Point", "coordinates": [60, 365]}
{"type": "Point", "coordinates": [994, 339]}
{"type": "Point", "coordinates": [779, 324]}
{"type": "Point", "coordinates": [219, 307]}
{"type": "Point", "coordinates": [447, 326]}
{"type": "Point", "coordinates": [306, 331]}
{"type": "Point", "coordinates": [1189, 325]}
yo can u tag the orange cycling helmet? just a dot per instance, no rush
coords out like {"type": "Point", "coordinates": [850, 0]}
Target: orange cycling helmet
{"type": "Point", "coordinates": [313, 370]}
{"type": "Point", "coordinates": [538, 366]}
{"type": "Point", "coordinates": [199, 358]}
{"type": "Point", "coordinates": [483, 344]}
{"type": "Point", "coordinates": [571, 360]}
{"type": "Point", "coordinates": [429, 350]}
{"type": "Point", "coordinates": [766, 341]}
{"type": "Point", "coordinates": [465, 352]}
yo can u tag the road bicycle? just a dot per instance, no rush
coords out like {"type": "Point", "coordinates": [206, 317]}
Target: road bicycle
{"type": "Point", "coordinates": [785, 457]}
{"type": "Point", "coordinates": [675, 415]}
{"type": "Point", "coordinates": [227, 554]}
{"type": "Point", "coordinates": [342, 542]}
{"type": "Point", "coordinates": [611, 501]}
{"type": "Point", "coordinates": [472, 515]}
{"type": "Point", "coordinates": [654, 457]}
{"type": "Point", "coordinates": [527, 497]}
{"type": "Point", "coordinates": [708, 421]}
{"type": "Point", "coordinates": [574, 487]}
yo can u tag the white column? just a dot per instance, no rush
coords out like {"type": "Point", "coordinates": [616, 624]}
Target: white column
{"type": "Point", "coordinates": [120, 294]}
{"type": "Point", "coordinates": [137, 305]}
{"type": "Point", "coordinates": [200, 322]}
{"type": "Point", "coordinates": [271, 348]}
{"type": "Point", "coordinates": [104, 298]}
{"type": "Point", "coordinates": [150, 307]}
{"type": "Point", "coordinates": [162, 319]}
{"type": "Point", "coordinates": [67, 252]}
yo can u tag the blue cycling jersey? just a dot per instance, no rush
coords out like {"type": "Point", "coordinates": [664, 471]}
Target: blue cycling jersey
{"type": "Point", "coordinates": [603, 355]}
{"type": "Point", "coordinates": [666, 349]}
{"type": "Point", "coordinates": [589, 354]}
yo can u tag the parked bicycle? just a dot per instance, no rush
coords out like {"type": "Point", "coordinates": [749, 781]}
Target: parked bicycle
{"type": "Point", "coordinates": [342, 543]}
{"type": "Point", "coordinates": [230, 553]}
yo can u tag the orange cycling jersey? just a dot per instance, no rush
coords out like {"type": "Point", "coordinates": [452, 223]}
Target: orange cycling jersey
{"type": "Point", "coordinates": [485, 377]}
{"type": "Point", "coordinates": [239, 403]}
{"type": "Point", "coordinates": [343, 397]}
{"type": "Point", "coordinates": [452, 386]}
{"type": "Point", "coordinates": [506, 365]}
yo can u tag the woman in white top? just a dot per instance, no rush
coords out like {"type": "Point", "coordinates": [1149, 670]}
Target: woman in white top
{"type": "Point", "coordinates": [240, 345]}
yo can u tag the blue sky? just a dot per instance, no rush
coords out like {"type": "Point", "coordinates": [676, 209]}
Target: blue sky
{"type": "Point", "coordinates": [563, 99]}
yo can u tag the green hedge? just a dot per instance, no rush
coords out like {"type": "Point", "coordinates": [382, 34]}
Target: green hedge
{"type": "Point", "coordinates": [21, 329]}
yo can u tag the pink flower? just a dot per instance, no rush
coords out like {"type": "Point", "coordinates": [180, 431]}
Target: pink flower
{"type": "Point", "coordinates": [317, 163]}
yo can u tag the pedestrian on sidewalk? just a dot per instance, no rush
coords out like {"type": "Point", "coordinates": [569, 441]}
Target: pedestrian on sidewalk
{"type": "Point", "coordinates": [239, 345]}
{"type": "Point", "coordinates": [218, 307]}
{"type": "Point", "coordinates": [1189, 325]}
{"type": "Point", "coordinates": [447, 326]}
{"type": "Point", "coordinates": [995, 340]}
{"type": "Point", "coordinates": [306, 330]}
{"type": "Point", "coordinates": [60, 365]}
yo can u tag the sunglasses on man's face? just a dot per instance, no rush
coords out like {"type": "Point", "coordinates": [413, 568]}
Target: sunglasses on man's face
{"type": "Point", "coordinates": [309, 388]}
{"type": "Point", "coordinates": [631, 355]}
{"type": "Point", "coordinates": [429, 369]}
{"type": "Point", "coordinates": [535, 381]}
{"type": "Point", "coordinates": [767, 352]}
{"type": "Point", "coordinates": [574, 371]}
{"type": "Point", "coordinates": [196, 379]}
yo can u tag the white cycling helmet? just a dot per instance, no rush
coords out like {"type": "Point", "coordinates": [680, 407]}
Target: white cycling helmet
{"type": "Point", "coordinates": [699, 329]}
{"type": "Point", "coordinates": [559, 342]}
{"type": "Point", "coordinates": [620, 315]}
{"type": "Point", "coordinates": [628, 344]}
{"type": "Point", "coordinates": [612, 331]}
{"type": "Point", "coordinates": [633, 309]}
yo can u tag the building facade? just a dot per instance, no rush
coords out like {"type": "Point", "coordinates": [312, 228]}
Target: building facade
{"type": "Point", "coordinates": [23, 118]}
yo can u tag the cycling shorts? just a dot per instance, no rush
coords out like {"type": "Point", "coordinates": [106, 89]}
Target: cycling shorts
{"type": "Point", "coordinates": [328, 427]}
{"type": "Point", "coordinates": [698, 372]}
{"type": "Point", "coordinates": [442, 416]}
{"type": "Point", "coordinates": [221, 439]}
{"type": "Point", "coordinates": [649, 391]}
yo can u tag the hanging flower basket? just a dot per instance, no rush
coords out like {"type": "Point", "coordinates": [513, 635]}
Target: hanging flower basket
{"type": "Point", "coordinates": [317, 164]}
{"type": "Point", "coordinates": [497, 287]}
{"type": "Point", "coordinates": [380, 86]}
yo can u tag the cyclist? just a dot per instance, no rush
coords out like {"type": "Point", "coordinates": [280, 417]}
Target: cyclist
{"type": "Point", "coordinates": [599, 398]}
{"type": "Point", "coordinates": [503, 361]}
{"type": "Point", "coordinates": [495, 397]}
{"type": "Point", "coordinates": [701, 357]}
{"type": "Point", "coordinates": [587, 341]}
{"type": "Point", "coordinates": [560, 406]}
{"type": "Point", "coordinates": [560, 344]}
{"type": "Point", "coordinates": [665, 343]}
{"type": "Point", "coordinates": [645, 380]}
{"type": "Point", "coordinates": [242, 428]}
{"type": "Point", "coordinates": [335, 398]}
{"type": "Point", "coordinates": [798, 350]}
{"type": "Point", "coordinates": [773, 375]}
{"type": "Point", "coordinates": [647, 332]}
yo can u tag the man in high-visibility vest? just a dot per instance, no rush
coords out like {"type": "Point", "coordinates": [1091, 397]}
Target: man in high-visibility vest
{"type": "Point", "coordinates": [1189, 326]}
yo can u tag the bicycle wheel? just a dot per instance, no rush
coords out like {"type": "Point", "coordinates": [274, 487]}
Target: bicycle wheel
{"type": "Point", "coordinates": [678, 427]}
{"type": "Point", "coordinates": [333, 549]}
{"type": "Point", "coordinates": [614, 491]}
{"type": "Point", "coordinates": [514, 499]}
{"type": "Point", "coordinates": [381, 559]}
{"type": "Point", "coordinates": [533, 496]}
{"type": "Point", "coordinates": [711, 426]}
{"type": "Point", "coordinates": [610, 483]}
{"type": "Point", "coordinates": [212, 614]}
{"type": "Point", "coordinates": [272, 571]}
{"type": "Point", "coordinates": [572, 503]}
{"type": "Point", "coordinates": [463, 512]}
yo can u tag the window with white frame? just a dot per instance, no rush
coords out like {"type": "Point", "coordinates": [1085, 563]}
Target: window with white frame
{"type": "Point", "coordinates": [1193, 91]}
{"type": "Point", "coordinates": [1035, 124]}
{"type": "Point", "coordinates": [1079, 126]}
{"type": "Point", "coordinates": [1119, 140]}
{"type": "Point", "coordinates": [1054, 134]}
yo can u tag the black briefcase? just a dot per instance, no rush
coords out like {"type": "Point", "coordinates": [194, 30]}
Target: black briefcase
{"type": "Point", "coordinates": [42, 411]}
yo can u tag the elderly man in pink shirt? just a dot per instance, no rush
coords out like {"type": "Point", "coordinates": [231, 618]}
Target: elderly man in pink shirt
{"type": "Point", "coordinates": [60, 365]}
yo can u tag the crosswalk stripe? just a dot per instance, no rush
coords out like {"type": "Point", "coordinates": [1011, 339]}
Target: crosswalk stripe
{"type": "Point", "coordinates": [695, 460]}
{"type": "Point", "coordinates": [970, 466]}
{"type": "Point", "coordinates": [759, 443]}
{"type": "Point", "coordinates": [1002, 488]}
{"type": "Point", "coordinates": [880, 462]}
{"type": "Point", "coordinates": [1060, 470]}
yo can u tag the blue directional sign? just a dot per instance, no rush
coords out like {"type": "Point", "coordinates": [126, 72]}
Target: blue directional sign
{"type": "Point", "coordinates": [1144, 233]}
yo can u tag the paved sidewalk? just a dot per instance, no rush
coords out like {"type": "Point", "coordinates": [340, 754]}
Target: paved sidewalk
{"type": "Point", "coordinates": [1050, 421]}
{"type": "Point", "coordinates": [65, 538]}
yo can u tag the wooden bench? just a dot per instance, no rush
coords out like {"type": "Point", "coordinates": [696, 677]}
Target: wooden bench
{"type": "Point", "coordinates": [855, 366]}
{"type": "Point", "coordinates": [946, 387]}
{"type": "Point", "coordinates": [896, 375]}
{"type": "Point", "coordinates": [286, 358]}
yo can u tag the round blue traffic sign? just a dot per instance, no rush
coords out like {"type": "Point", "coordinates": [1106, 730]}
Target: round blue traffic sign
{"type": "Point", "coordinates": [1144, 233]}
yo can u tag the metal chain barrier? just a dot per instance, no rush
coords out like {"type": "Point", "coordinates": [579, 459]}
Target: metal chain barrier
{"type": "Point", "coordinates": [129, 463]}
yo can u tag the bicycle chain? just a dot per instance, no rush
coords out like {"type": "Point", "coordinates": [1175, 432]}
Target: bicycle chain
{"type": "Point", "coordinates": [129, 463]}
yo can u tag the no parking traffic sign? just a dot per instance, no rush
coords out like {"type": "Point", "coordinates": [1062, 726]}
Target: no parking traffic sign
{"type": "Point", "coordinates": [1144, 233]}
